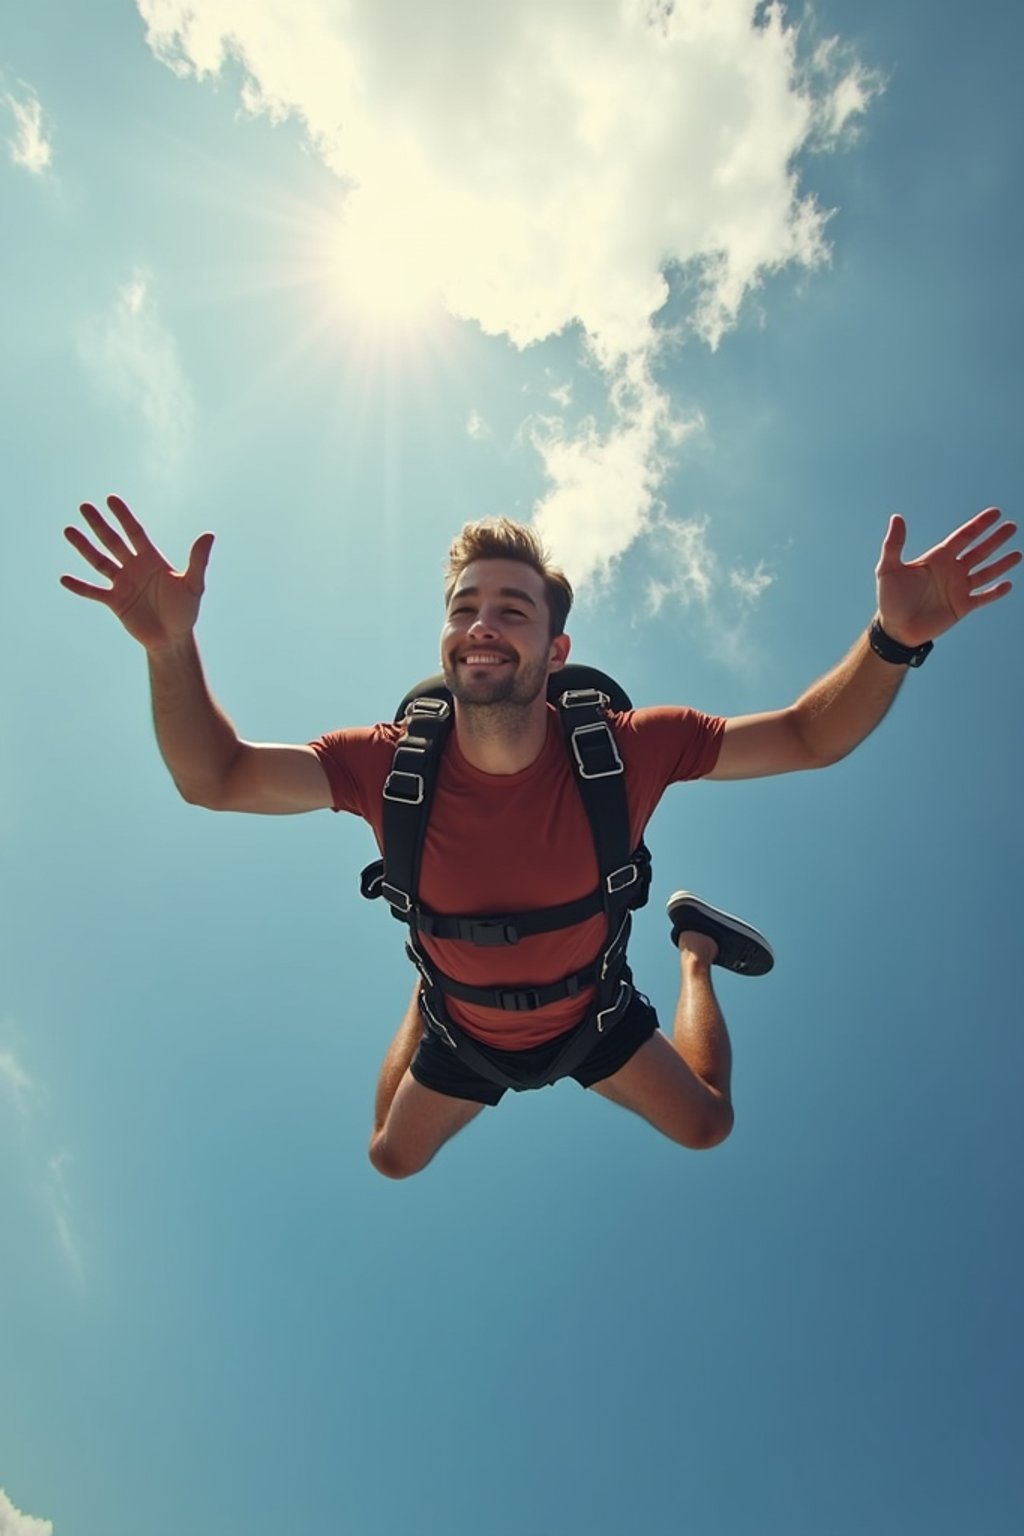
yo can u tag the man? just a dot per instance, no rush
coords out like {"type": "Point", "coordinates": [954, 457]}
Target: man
{"type": "Point", "coordinates": [507, 831]}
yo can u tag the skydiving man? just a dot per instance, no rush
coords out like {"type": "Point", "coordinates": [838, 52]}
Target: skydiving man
{"type": "Point", "coordinates": [507, 831]}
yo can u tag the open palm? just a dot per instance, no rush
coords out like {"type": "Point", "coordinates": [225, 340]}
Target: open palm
{"type": "Point", "coordinates": [156, 604]}
{"type": "Point", "coordinates": [921, 599]}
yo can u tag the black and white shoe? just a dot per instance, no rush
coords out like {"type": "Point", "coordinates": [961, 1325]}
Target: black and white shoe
{"type": "Point", "coordinates": [740, 947]}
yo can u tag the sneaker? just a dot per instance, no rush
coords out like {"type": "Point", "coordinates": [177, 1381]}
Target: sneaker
{"type": "Point", "coordinates": [740, 947]}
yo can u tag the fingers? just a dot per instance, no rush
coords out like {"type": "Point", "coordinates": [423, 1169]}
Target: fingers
{"type": "Point", "coordinates": [108, 537]}
{"type": "Point", "coordinates": [988, 546]}
{"type": "Point", "coordinates": [83, 589]}
{"type": "Point", "coordinates": [99, 561]}
{"type": "Point", "coordinates": [992, 572]}
{"type": "Point", "coordinates": [129, 522]}
{"type": "Point", "coordinates": [979, 599]}
{"type": "Point", "coordinates": [962, 537]}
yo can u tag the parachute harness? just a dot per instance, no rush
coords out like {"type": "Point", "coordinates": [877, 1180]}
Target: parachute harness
{"type": "Point", "coordinates": [623, 886]}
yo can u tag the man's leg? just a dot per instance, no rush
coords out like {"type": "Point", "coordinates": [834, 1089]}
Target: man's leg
{"type": "Point", "coordinates": [683, 1087]}
{"type": "Point", "coordinates": [410, 1122]}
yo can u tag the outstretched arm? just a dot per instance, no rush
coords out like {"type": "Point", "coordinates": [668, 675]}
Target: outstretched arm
{"type": "Point", "coordinates": [918, 600]}
{"type": "Point", "coordinates": [159, 606]}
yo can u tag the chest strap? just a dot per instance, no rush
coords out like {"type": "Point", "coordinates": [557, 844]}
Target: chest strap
{"type": "Point", "coordinates": [408, 793]}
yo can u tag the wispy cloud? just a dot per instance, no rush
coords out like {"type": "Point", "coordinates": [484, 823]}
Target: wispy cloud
{"type": "Point", "coordinates": [552, 164]}
{"type": "Point", "coordinates": [750, 584]}
{"type": "Point", "coordinates": [687, 568]}
{"type": "Point", "coordinates": [31, 145]}
{"type": "Point", "coordinates": [687, 573]}
{"type": "Point", "coordinates": [132, 359]}
{"type": "Point", "coordinates": [14, 1523]}
{"type": "Point", "coordinates": [20, 1090]}
{"type": "Point", "coordinates": [606, 482]}
{"type": "Point", "coordinates": [15, 1082]}
{"type": "Point", "coordinates": [477, 427]}
{"type": "Point", "coordinates": [59, 1199]}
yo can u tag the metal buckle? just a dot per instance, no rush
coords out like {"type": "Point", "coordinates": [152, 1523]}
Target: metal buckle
{"type": "Point", "coordinates": [393, 792]}
{"type": "Point", "coordinates": [394, 897]}
{"type": "Point", "coordinates": [622, 879]}
{"type": "Point", "coordinates": [584, 698]}
{"type": "Point", "coordinates": [609, 740]}
{"type": "Point", "coordinates": [438, 709]}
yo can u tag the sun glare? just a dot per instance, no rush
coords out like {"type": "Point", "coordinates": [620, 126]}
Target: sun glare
{"type": "Point", "coordinates": [381, 278]}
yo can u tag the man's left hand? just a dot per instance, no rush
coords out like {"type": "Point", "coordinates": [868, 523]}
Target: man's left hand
{"type": "Point", "coordinates": [920, 599]}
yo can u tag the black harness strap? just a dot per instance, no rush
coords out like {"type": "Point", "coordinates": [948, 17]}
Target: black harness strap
{"type": "Point", "coordinates": [408, 796]}
{"type": "Point", "coordinates": [572, 1055]}
{"type": "Point", "coordinates": [623, 884]}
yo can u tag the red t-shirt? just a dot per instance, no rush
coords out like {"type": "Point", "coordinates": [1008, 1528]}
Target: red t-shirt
{"type": "Point", "coordinates": [503, 843]}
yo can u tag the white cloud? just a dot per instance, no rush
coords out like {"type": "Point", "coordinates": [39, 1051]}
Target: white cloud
{"type": "Point", "coordinates": [605, 483]}
{"type": "Point", "coordinates": [21, 1090]}
{"type": "Point", "coordinates": [30, 147]}
{"type": "Point", "coordinates": [556, 163]}
{"type": "Point", "coordinates": [14, 1523]}
{"type": "Point", "coordinates": [687, 567]}
{"type": "Point", "coordinates": [60, 1207]}
{"type": "Point", "coordinates": [750, 584]}
{"type": "Point", "coordinates": [15, 1082]}
{"type": "Point", "coordinates": [477, 427]}
{"type": "Point", "coordinates": [132, 359]}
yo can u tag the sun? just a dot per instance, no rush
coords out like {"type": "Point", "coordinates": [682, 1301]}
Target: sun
{"type": "Point", "coordinates": [383, 278]}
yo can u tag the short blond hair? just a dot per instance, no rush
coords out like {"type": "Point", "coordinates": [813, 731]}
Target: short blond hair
{"type": "Point", "coordinates": [499, 538]}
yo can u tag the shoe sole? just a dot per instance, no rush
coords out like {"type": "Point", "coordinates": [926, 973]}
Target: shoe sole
{"type": "Point", "coordinates": [741, 948]}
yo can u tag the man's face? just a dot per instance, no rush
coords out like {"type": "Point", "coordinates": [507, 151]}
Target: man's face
{"type": "Point", "coordinates": [496, 644]}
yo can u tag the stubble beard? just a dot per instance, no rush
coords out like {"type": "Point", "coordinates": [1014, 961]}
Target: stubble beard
{"type": "Point", "coordinates": [497, 705]}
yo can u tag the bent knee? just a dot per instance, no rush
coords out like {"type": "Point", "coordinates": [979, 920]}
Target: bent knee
{"type": "Point", "coordinates": [391, 1162]}
{"type": "Point", "coordinates": [713, 1129]}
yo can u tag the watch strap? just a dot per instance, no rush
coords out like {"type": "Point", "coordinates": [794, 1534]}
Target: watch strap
{"type": "Point", "coordinates": [893, 651]}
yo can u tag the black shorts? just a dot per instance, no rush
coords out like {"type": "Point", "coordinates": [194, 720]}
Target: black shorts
{"type": "Point", "coordinates": [437, 1066]}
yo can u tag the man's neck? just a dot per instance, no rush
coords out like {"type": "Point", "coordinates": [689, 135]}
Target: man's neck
{"type": "Point", "coordinates": [501, 738]}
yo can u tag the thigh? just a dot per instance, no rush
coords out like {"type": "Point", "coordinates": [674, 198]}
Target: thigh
{"type": "Point", "coordinates": [657, 1084]}
{"type": "Point", "coordinates": [419, 1122]}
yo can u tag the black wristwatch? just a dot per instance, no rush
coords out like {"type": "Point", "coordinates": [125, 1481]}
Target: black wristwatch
{"type": "Point", "coordinates": [891, 650]}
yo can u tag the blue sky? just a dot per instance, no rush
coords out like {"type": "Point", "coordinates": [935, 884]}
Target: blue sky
{"type": "Point", "coordinates": [216, 1317]}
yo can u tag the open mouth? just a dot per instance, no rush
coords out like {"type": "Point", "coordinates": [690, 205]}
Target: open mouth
{"type": "Point", "coordinates": [484, 659]}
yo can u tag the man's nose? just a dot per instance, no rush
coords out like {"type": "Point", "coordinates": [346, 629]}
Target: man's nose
{"type": "Point", "coordinates": [482, 625]}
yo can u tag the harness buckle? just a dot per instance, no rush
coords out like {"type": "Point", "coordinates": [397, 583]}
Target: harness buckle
{"type": "Point", "coordinates": [584, 698]}
{"type": "Point", "coordinates": [410, 789]}
{"type": "Point", "coordinates": [394, 897]}
{"type": "Point", "coordinates": [437, 709]}
{"type": "Point", "coordinates": [488, 933]}
{"type": "Point", "coordinates": [598, 756]}
{"type": "Point", "coordinates": [622, 879]}
{"type": "Point", "coordinates": [518, 1002]}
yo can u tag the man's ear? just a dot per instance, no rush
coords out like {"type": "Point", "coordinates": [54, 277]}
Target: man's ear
{"type": "Point", "coordinates": [559, 654]}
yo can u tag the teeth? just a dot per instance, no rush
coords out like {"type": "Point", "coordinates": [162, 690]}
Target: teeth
{"type": "Point", "coordinates": [478, 659]}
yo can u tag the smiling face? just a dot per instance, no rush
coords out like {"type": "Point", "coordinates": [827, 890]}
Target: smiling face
{"type": "Point", "coordinates": [496, 645]}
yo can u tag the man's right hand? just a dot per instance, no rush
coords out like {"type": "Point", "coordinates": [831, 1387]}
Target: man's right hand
{"type": "Point", "coordinates": [157, 605]}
